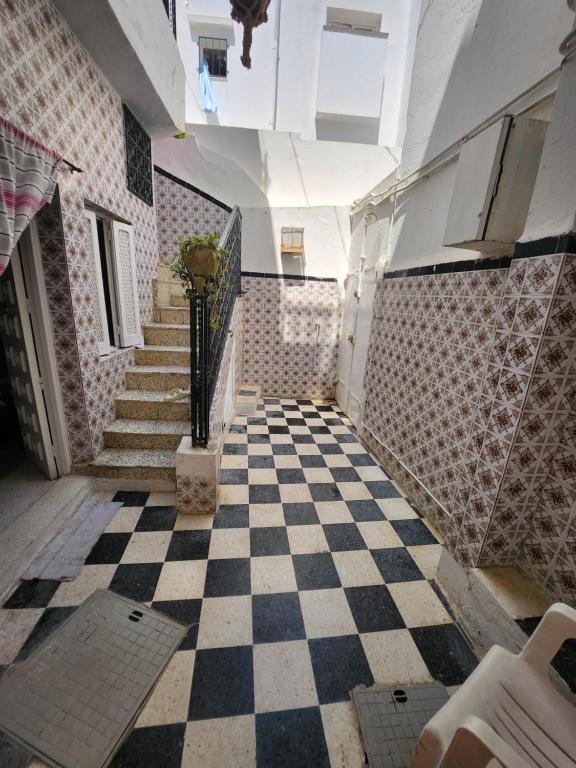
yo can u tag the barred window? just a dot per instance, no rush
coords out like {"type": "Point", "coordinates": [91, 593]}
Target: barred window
{"type": "Point", "coordinates": [138, 158]}
{"type": "Point", "coordinates": [292, 240]}
{"type": "Point", "coordinates": [215, 51]}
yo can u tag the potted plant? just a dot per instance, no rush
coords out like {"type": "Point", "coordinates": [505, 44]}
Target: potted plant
{"type": "Point", "coordinates": [202, 270]}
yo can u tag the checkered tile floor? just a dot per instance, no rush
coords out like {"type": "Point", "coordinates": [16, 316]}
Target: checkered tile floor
{"type": "Point", "coordinates": [315, 576]}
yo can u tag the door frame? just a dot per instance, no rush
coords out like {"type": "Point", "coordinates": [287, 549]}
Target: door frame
{"type": "Point", "coordinates": [41, 328]}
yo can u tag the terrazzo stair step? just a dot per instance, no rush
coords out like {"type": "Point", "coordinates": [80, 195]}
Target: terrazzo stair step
{"type": "Point", "coordinates": [177, 300]}
{"type": "Point", "coordinates": [139, 433]}
{"type": "Point", "coordinates": [157, 377]}
{"type": "Point", "coordinates": [159, 355]}
{"type": "Point", "coordinates": [140, 404]}
{"type": "Point", "coordinates": [178, 315]}
{"type": "Point", "coordinates": [135, 463]}
{"type": "Point", "coordinates": [167, 334]}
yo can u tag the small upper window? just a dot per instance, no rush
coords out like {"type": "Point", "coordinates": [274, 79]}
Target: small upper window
{"type": "Point", "coordinates": [344, 20]}
{"type": "Point", "coordinates": [214, 50]}
{"type": "Point", "coordinates": [138, 158]}
{"type": "Point", "coordinates": [292, 240]}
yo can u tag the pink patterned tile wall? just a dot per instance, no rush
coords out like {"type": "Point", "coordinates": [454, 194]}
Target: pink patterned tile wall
{"type": "Point", "coordinates": [181, 211]}
{"type": "Point", "coordinates": [291, 334]}
{"type": "Point", "coordinates": [534, 522]}
{"type": "Point", "coordinates": [53, 90]}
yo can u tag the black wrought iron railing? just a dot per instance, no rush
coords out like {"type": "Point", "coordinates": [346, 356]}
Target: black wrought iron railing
{"type": "Point", "coordinates": [207, 344]}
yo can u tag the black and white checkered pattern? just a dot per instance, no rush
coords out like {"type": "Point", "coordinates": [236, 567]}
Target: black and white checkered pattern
{"type": "Point", "coordinates": [316, 575]}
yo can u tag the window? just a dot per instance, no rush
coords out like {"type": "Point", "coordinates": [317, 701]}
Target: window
{"type": "Point", "coordinates": [292, 240]}
{"type": "Point", "coordinates": [343, 20]}
{"type": "Point", "coordinates": [114, 290]}
{"type": "Point", "coordinates": [170, 8]}
{"type": "Point", "coordinates": [214, 50]}
{"type": "Point", "coordinates": [138, 158]}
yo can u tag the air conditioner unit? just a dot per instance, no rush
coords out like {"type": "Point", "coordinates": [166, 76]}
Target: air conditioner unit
{"type": "Point", "coordinates": [493, 187]}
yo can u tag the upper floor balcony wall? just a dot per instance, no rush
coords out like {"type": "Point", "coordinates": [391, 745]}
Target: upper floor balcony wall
{"type": "Point", "coordinates": [132, 42]}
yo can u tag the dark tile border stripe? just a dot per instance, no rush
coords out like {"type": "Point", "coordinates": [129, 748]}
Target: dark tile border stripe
{"type": "Point", "coordinates": [192, 188]}
{"type": "Point", "coordinates": [547, 246]}
{"type": "Point", "coordinates": [300, 278]}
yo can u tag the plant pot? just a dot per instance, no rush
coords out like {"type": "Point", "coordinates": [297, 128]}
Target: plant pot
{"type": "Point", "coordinates": [202, 262]}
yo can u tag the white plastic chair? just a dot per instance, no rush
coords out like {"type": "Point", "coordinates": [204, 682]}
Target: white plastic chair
{"type": "Point", "coordinates": [508, 713]}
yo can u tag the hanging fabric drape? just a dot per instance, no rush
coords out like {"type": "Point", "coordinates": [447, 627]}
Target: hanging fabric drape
{"type": "Point", "coordinates": [28, 177]}
{"type": "Point", "coordinates": [206, 92]}
{"type": "Point", "coordinates": [250, 13]}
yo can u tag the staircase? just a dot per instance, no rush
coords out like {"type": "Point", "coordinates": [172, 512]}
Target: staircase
{"type": "Point", "coordinates": [142, 442]}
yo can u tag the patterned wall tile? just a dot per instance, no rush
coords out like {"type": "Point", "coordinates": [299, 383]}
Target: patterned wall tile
{"type": "Point", "coordinates": [291, 334]}
{"type": "Point", "coordinates": [52, 89]}
{"type": "Point", "coordinates": [181, 212]}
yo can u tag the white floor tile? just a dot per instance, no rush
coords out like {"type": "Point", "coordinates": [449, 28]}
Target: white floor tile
{"type": "Point", "coordinates": [283, 677]}
{"type": "Point", "coordinates": [272, 574]}
{"type": "Point", "coordinates": [394, 658]}
{"type": "Point", "coordinates": [226, 543]}
{"type": "Point", "coordinates": [171, 696]}
{"type": "Point", "coordinates": [357, 568]}
{"type": "Point", "coordinates": [326, 613]}
{"type": "Point", "coordinates": [418, 604]}
{"type": "Point", "coordinates": [181, 580]}
{"type": "Point", "coordinates": [225, 622]}
{"type": "Point", "coordinates": [307, 539]}
{"type": "Point", "coordinates": [229, 742]}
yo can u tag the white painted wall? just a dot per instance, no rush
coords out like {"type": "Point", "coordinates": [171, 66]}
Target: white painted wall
{"type": "Point", "coordinates": [494, 57]}
{"type": "Point", "coordinates": [279, 92]}
{"type": "Point", "coordinates": [326, 239]}
{"type": "Point", "coordinates": [273, 169]}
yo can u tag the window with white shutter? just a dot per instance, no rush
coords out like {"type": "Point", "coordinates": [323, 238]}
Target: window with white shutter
{"type": "Point", "coordinates": [126, 284]}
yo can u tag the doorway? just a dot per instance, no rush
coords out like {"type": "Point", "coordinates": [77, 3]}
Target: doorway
{"type": "Point", "coordinates": [31, 412]}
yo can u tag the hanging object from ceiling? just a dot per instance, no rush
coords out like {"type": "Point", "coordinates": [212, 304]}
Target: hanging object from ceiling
{"type": "Point", "coordinates": [250, 13]}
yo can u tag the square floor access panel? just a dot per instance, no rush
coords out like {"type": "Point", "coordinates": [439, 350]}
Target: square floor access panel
{"type": "Point", "coordinates": [73, 701]}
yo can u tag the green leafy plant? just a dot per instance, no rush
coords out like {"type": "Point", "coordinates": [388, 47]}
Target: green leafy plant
{"type": "Point", "coordinates": [202, 270]}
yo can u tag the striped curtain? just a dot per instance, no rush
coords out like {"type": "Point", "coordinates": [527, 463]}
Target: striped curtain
{"type": "Point", "coordinates": [28, 176]}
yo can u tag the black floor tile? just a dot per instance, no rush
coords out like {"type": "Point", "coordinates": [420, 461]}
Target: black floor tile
{"type": "Point", "coordinates": [413, 532]}
{"type": "Point", "coordinates": [157, 519]}
{"type": "Point", "coordinates": [235, 449]}
{"type": "Point", "coordinates": [361, 460]}
{"type": "Point", "coordinates": [108, 549]}
{"type": "Point", "coordinates": [312, 462]}
{"type": "Point", "coordinates": [265, 542]}
{"type": "Point", "coordinates": [290, 476]}
{"type": "Point", "coordinates": [382, 489]}
{"type": "Point", "coordinates": [565, 660]}
{"type": "Point", "coordinates": [277, 618]}
{"type": "Point", "coordinates": [238, 429]}
{"type": "Point", "coordinates": [264, 494]}
{"type": "Point", "coordinates": [324, 409]}
{"type": "Point", "coordinates": [223, 683]}
{"type": "Point", "coordinates": [232, 516]}
{"type": "Point", "coordinates": [327, 449]}
{"type": "Point", "coordinates": [159, 746]}
{"type": "Point", "coordinates": [446, 653]}
{"type": "Point", "coordinates": [278, 429]}
{"type": "Point", "coordinates": [51, 619]}
{"type": "Point", "coordinates": [291, 739]}
{"type": "Point", "coordinates": [258, 439]}
{"type": "Point", "coordinates": [189, 545]}
{"type": "Point", "coordinates": [293, 421]}
{"type": "Point", "coordinates": [283, 449]}
{"type": "Point", "coordinates": [315, 571]}
{"type": "Point", "coordinates": [132, 498]}
{"type": "Point", "coordinates": [346, 438]}
{"type": "Point", "coordinates": [227, 577]}
{"type": "Point", "coordinates": [271, 400]}
{"type": "Point", "coordinates": [303, 513]}
{"type": "Point", "coordinates": [290, 408]}
{"type": "Point", "coordinates": [256, 421]}
{"type": "Point", "coordinates": [233, 477]}
{"type": "Point", "coordinates": [325, 492]}
{"type": "Point", "coordinates": [304, 402]}
{"type": "Point", "coordinates": [260, 462]}
{"type": "Point", "coordinates": [35, 593]}
{"type": "Point", "coordinates": [373, 609]}
{"type": "Point", "coordinates": [345, 475]}
{"type": "Point", "coordinates": [396, 564]}
{"type": "Point", "coordinates": [339, 664]}
{"type": "Point", "coordinates": [333, 422]}
{"type": "Point", "coordinates": [343, 537]}
{"type": "Point", "coordinates": [302, 439]}
{"type": "Point", "coordinates": [186, 611]}
{"type": "Point", "coordinates": [137, 582]}
{"type": "Point", "coordinates": [365, 510]}
{"type": "Point", "coordinates": [314, 430]}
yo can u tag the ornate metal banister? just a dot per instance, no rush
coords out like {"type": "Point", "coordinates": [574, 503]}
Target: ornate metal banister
{"type": "Point", "coordinates": [206, 343]}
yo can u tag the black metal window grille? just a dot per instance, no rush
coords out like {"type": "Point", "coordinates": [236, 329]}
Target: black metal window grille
{"type": "Point", "coordinates": [138, 158]}
{"type": "Point", "coordinates": [206, 345]}
{"type": "Point", "coordinates": [214, 50]}
{"type": "Point", "coordinates": [170, 8]}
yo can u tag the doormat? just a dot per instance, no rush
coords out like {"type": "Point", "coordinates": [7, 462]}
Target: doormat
{"type": "Point", "coordinates": [74, 700]}
{"type": "Point", "coordinates": [391, 720]}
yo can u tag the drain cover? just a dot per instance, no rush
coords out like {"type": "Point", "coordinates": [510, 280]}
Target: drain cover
{"type": "Point", "coordinates": [392, 719]}
{"type": "Point", "coordinates": [73, 701]}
